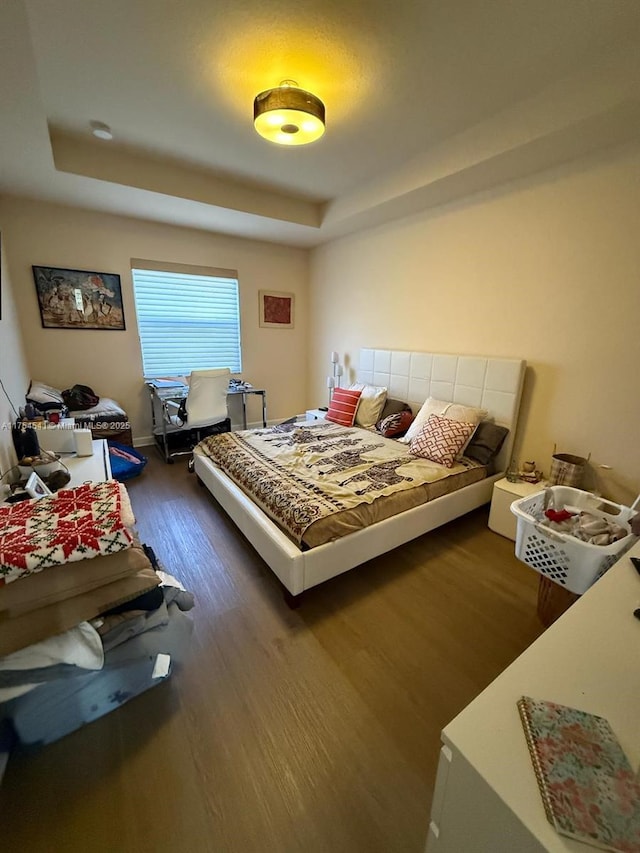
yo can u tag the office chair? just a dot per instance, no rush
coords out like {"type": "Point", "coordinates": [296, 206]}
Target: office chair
{"type": "Point", "coordinates": [203, 413]}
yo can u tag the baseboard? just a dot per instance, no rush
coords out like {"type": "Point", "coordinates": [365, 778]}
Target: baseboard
{"type": "Point", "coordinates": [143, 440]}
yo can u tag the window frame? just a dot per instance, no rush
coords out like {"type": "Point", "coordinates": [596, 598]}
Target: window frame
{"type": "Point", "coordinates": [140, 294]}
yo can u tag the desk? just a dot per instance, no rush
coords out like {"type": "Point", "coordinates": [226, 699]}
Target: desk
{"type": "Point", "coordinates": [244, 393]}
{"type": "Point", "coordinates": [179, 392]}
{"type": "Point", "coordinates": [486, 796]}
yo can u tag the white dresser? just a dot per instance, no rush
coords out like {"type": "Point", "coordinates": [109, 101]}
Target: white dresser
{"type": "Point", "coordinates": [94, 468]}
{"type": "Point", "coordinates": [486, 797]}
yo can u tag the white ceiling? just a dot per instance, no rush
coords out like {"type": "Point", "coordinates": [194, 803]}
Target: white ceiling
{"type": "Point", "coordinates": [426, 100]}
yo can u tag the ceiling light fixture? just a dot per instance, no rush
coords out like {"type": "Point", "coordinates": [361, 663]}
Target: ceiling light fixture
{"type": "Point", "coordinates": [101, 130]}
{"type": "Point", "coordinates": [288, 115]}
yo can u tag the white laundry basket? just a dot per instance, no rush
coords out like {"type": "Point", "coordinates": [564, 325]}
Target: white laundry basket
{"type": "Point", "coordinates": [562, 558]}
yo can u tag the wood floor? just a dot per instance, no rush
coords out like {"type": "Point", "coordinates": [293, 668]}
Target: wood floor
{"type": "Point", "coordinates": [310, 730]}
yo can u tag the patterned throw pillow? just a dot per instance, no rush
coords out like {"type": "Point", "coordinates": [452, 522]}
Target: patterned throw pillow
{"type": "Point", "coordinates": [342, 409]}
{"type": "Point", "coordinates": [392, 406]}
{"type": "Point", "coordinates": [440, 439]}
{"type": "Point", "coordinates": [395, 424]}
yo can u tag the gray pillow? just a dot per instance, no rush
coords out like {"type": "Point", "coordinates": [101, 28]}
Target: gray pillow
{"type": "Point", "coordinates": [486, 442]}
{"type": "Point", "coordinates": [392, 407]}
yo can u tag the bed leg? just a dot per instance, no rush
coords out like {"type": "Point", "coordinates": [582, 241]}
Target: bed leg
{"type": "Point", "coordinates": [292, 601]}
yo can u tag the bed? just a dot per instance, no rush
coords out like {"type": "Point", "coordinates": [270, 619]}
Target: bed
{"type": "Point", "coordinates": [107, 419]}
{"type": "Point", "coordinates": [492, 383]}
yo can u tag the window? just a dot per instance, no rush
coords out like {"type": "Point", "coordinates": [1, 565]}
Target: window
{"type": "Point", "coordinates": [187, 321]}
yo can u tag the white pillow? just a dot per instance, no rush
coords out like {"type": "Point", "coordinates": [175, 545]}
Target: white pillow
{"type": "Point", "coordinates": [44, 397]}
{"type": "Point", "coordinates": [453, 411]}
{"type": "Point", "coordinates": [105, 407]}
{"type": "Point", "coordinates": [371, 404]}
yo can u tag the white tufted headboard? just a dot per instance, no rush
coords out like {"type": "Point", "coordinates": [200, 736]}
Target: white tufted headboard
{"type": "Point", "coordinates": [494, 384]}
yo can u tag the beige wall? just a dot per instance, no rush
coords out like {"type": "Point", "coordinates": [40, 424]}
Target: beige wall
{"type": "Point", "coordinates": [547, 270]}
{"type": "Point", "coordinates": [13, 363]}
{"type": "Point", "coordinates": [110, 361]}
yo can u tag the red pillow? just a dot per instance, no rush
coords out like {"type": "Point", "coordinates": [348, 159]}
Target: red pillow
{"type": "Point", "coordinates": [342, 409]}
{"type": "Point", "coordinates": [396, 424]}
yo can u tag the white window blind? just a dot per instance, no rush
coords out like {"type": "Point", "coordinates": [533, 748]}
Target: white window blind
{"type": "Point", "coordinates": [187, 322]}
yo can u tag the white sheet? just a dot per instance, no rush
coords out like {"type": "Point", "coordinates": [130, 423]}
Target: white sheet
{"type": "Point", "coordinates": [80, 646]}
{"type": "Point", "coordinates": [105, 408]}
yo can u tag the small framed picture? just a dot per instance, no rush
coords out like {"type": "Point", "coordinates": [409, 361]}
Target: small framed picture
{"type": "Point", "coordinates": [276, 309]}
{"type": "Point", "coordinates": [36, 488]}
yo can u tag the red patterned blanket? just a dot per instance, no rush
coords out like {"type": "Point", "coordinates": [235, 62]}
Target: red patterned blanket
{"type": "Point", "coordinates": [73, 524]}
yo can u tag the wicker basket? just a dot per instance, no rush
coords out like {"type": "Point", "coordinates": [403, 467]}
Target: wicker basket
{"type": "Point", "coordinates": [567, 469]}
{"type": "Point", "coordinates": [553, 600]}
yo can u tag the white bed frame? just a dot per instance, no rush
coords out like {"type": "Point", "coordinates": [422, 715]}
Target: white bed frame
{"type": "Point", "coordinates": [492, 383]}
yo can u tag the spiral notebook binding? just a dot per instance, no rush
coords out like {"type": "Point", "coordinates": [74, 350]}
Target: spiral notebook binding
{"type": "Point", "coordinates": [535, 760]}
{"type": "Point", "coordinates": [559, 726]}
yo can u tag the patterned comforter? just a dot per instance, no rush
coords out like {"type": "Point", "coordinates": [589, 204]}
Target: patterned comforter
{"type": "Point", "coordinates": [321, 481]}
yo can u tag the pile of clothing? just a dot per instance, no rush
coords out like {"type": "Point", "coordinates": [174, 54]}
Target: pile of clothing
{"type": "Point", "coordinates": [585, 526]}
{"type": "Point", "coordinates": [88, 618]}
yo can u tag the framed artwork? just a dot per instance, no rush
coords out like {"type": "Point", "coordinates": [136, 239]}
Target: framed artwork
{"type": "Point", "coordinates": [276, 309]}
{"type": "Point", "coordinates": [78, 299]}
{"type": "Point", "coordinates": [36, 488]}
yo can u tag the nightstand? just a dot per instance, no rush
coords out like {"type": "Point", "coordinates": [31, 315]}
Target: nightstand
{"type": "Point", "coordinates": [501, 519]}
{"type": "Point", "coordinates": [316, 415]}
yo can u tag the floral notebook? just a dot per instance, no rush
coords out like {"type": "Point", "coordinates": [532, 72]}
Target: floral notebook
{"type": "Point", "coordinates": [588, 787]}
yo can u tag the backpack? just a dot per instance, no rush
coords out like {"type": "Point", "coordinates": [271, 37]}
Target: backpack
{"type": "Point", "coordinates": [182, 412]}
{"type": "Point", "coordinates": [80, 397]}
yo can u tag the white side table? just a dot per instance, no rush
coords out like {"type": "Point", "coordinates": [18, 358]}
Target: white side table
{"type": "Point", "coordinates": [501, 519]}
{"type": "Point", "coordinates": [95, 468]}
{"type": "Point", "coordinates": [88, 469]}
{"type": "Point", "coordinates": [316, 415]}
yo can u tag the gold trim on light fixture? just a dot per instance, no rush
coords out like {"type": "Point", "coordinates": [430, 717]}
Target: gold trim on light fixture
{"type": "Point", "coordinates": [288, 115]}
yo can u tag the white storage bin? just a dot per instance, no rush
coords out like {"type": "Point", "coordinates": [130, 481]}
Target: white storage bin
{"type": "Point", "coordinates": [562, 558]}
